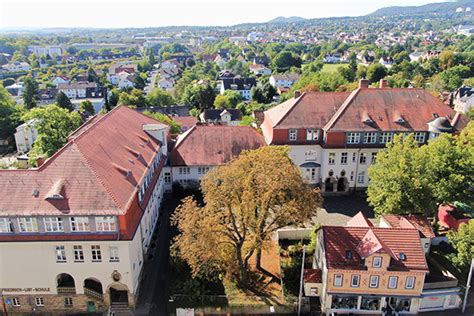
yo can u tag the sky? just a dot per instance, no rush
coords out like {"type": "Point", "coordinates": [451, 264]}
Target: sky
{"type": "Point", "coordinates": [152, 13]}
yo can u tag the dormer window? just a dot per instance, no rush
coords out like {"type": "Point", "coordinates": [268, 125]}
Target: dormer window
{"type": "Point", "coordinates": [370, 138]}
{"type": "Point", "coordinates": [402, 256]}
{"type": "Point", "coordinates": [377, 262]}
{"type": "Point", "coordinates": [400, 120]}
{"type": "Point", "coordinates": [348, 254]}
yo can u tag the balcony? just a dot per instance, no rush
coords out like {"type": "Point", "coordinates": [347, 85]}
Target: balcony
{"type": "Point", "coordinates": [93, 293]}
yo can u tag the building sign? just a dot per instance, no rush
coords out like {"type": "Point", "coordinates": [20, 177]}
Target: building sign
{"type": "Point", "coordinates": [26, 289]}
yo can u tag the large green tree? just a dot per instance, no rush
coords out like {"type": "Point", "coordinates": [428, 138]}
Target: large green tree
{"type": "Point", "coordinates": [199, 95]}
{"type": "Point", "coordinates": [463, 241]}
{"type": "Point", "coordinates": [30, 93]}
{"type": "Point", "coordinates": [63, 101]}
{"type": "Point", "coordinates": [54, 124]}
{"type": "Point", "coordinates": [10, 114]}
{"type": "Point", "coordinates": [159, 97]}
{"type": "Point", "coordinates": [407, 178]}
{"type": "Point", "coordinates": [245, 202]}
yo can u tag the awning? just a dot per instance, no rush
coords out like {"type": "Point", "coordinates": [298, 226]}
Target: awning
{"type": "Point", "coordinates": [455, 291]}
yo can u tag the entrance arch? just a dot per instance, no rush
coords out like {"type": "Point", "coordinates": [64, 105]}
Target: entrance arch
{"type": "Point", "coordinates": [119, 295]}
{"type": "Point", "coordinates": [93, 288]}
{"type": "Point", "coordinates": [65, 284]}
{"type": "Point", "coordinates": [328, 185]}
{"type": "Point", "coordinates": [342, 184]}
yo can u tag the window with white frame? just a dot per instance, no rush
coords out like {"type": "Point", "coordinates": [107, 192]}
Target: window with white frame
{"type": "Point", "coordinates": [385, 137]}
{"type": "Point", "coordinates": [343, 158]}
{"type": "Point", "coordinates": [354, 157]}
{"type": "Point", "coordinates": [370, 138]}
{"type": "Point", "coordinates": [113, 254]}
{"type": "Point", "coordinates": [377, 262]}
{"type": "Point", "coordinates": [392, 282]}
{"type": "Point", "coordinates": [355, 280]}
{"type": "Point", "coordinates": [53, 224]}
{"type": "Point", "coordinates": [311, 134]}
{"type": "Point", "coordinates": [68, 301]}
{"type": "Point", "coordinates": [352, 176]}
{"type": "Point", "coordinates": [420, 137]}
{"type": "Point", "coordinates": [60, 254]}
{"type": "Point", "coordinates": [105, 223]}
{"type": "Point", "coordinates": [96, 253]}
{"type": "Point", "coordinates": [363, 158]}
{"type": "Point", "coordinates": [310, 155]}
{"type": "Point", "coordinates": [5, 225]}
{"type": "Point", "coordinates": [16, 302]}
{"type": "Point", "coordinates": [80, 224]}
{"type": "Point", "coordinates": [338, 280]}
{"type": "Point", "coordinates": [374, 281]}
{"type": "Point", "coordinates": [27, 225]}
{"type": "Point", "coordinates": [167, 177]}
{"type": "Point", "coordinates": [78, 253]}
{"type": "Point", "coordinates": [353, 138]}
{"type": "Point", "coordinates": [39, 301]}
{"type": "Point", "coordinates": [410, 283]}
{"type": "Point", "coordinates": [184, 170]}
{"type": "Point", "coordinates": [292, 134]}
{"type": "Point", "coordinates": [332, 158]}
{"type": "Point", "coordinates": [361, 177]}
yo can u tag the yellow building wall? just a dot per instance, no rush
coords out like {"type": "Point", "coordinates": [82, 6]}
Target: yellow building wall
{"type": "Point", "coordinates": [382, 288]}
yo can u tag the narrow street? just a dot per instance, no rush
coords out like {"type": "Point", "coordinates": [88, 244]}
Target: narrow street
{"type": "Point", "coordinates": [153, 295]}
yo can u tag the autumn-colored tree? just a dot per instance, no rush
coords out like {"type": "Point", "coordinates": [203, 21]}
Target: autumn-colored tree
{"type": "Point", "coordinates": [245, 202]}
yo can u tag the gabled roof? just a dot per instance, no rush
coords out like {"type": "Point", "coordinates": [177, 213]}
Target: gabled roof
{"type": "Point", "coordinates": [364, 109]}
{"type": "Point", "coordinates": [338, 240]}
{"type": "Point", "coordinates": [99, 169]}
{"type": "Point", "coordinates": [359, 220]}
{"type": "Point", "coordinates": [204, 145]}
{"type": "Point", "coordinates": [419, 222]}
{"type": "Point", "coordinates": [310, 110]}
{"type": "Point", "coordinates": [239, 83]}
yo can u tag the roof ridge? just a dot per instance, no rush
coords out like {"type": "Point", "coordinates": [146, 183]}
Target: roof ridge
{"type": "Point", "coordinates": [341, 109]}
{"type": "Point", "coordinates": [184, 136]}
{"type": "Point", "coordinates": [298, 100]}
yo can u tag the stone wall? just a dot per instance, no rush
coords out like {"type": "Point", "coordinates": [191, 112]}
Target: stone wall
{"type": "Point", "coordinates": [53, 304]}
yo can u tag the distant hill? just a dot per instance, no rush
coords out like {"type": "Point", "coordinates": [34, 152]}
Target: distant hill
{"type": "Point", "coordinates": [291, 19]}
{"type": "Point", "coordinates": [440, 8]}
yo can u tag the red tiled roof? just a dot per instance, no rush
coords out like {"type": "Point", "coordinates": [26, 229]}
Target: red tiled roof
{"type": "Point", "coordinates": [419, 222]}
{"type": "Point", "coordinates": [206, 145]}
{"type": "Point", "coordinates": [312, 276]}
{"type": "Point", "coordinates": [310, 110]}
{"type": "Point", "coordinates": [359, 220]}
{"type": "Point", "coordinates": [344, 111]}
{"type": "Point", "coordinates": [384, 106]}
{"type": "Point", "coordinates": [87, 168]}
{"type": "Point", "coordinates": [338, 240]}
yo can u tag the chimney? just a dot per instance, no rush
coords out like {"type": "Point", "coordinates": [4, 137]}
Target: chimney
{"type": "Point", "coordinates": [39, 161]}
{"type": "Point", "coordinates": [383, 83]}
{"type": "Point", "coordinates": [363, 83]}
{"type": "Point", "coordinates": [297, 94]}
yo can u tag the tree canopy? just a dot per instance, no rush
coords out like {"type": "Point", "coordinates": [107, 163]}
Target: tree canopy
{"type": "Point", "coordinates": [10, 114]}
{"type": "Point", "coordinates": [407, 178]}
{"type": "Point", "coordinates": [54, 124]}
{"type": "Point", "coordinates": [463, 241]}
{"type": "Point", "coordinates": [245, 202]}
{"type": "Point", "coordinates": [30, 92]}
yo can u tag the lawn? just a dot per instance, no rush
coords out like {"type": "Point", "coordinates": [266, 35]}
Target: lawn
{"type": "Point", "coordinates": [330, 68]}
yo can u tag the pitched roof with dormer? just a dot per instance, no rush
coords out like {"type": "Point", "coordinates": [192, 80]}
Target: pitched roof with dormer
{"type": "Point", "coordinates": [402, 244]}
{"type": "Point", "coordinates": [98, 172]}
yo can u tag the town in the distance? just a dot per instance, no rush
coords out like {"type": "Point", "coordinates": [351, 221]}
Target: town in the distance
{"type": "Point", "coordinates": [294, 167]}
